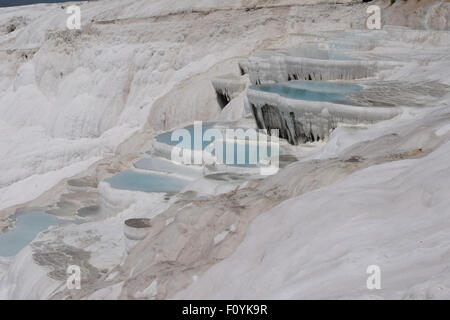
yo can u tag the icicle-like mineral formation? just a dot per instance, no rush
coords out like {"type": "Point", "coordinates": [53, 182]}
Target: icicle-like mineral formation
{"type": "Point", "coordinates": [227, 88]}
{"type": "Point", "coordinates": [318, 61]}
{"type": "Point", "coordinates": [308, 120]}
{"type": "Point", "coordinates": [270, 68]}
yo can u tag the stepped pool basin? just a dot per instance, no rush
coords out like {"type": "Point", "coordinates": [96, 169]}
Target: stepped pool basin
{"type": "Point", "coordinates": [164, 165]}
{"type": "Point", "coordinates": [147, 182]}
{"type": "Point", "coordinates": [312, 90]}
{"type": "Point", "coordinates": [318, 51]}
{"type": "Point", "coordinates": [28, 226]}
{"type": "Point", "coordinates": [237, 149]}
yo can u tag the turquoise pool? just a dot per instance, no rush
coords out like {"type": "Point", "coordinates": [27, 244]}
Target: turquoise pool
{"type": "Point", "coordinates": [311, 90]}
{"type": "Point", "coordinates": [28, 226]}
{"type": "Point", "coordinates": [146, 182]}
{"type": "Point", "coordinates": [163, 165]}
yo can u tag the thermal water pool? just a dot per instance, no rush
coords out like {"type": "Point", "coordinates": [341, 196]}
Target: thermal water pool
{"type": "Point", "coordinates": [28, 226]}
{"type": "Point", "coordinates": [166, 166]}
{"type": "Point", "coordinates": [311, 90]}
{"type": "Point", "coordinates": [246, 153]}
{"type": "Point", "coordinates": [147, 182]}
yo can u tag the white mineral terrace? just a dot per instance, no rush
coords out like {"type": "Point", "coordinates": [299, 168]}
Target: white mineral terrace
{"type": "Point", "coordinates": [91, 172]}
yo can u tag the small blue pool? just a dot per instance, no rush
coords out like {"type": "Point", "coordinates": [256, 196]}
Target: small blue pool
{"type": "Point", "coordinates": [311, 90]}
{"type": "Point", "coordinates": [147, 182]}
{"type": "Point", "coordinates": [163, 165]}
{"type": "Point", "coordinates": [28, 226]}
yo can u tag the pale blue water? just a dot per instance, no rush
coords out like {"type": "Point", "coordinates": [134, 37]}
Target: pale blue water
{"type": "Point", "coordinates": [147, 182]}
{"type": "Point", "coordinates": [166, 137]}
{"type": "Point", "coordinates": [311, 90]}
{"type": "Point", "coordinates": [28, 226]}
{"type": "Point", "coordinates": [163, 165]}
{"type": "Point", "coordinates": [245, 153]}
